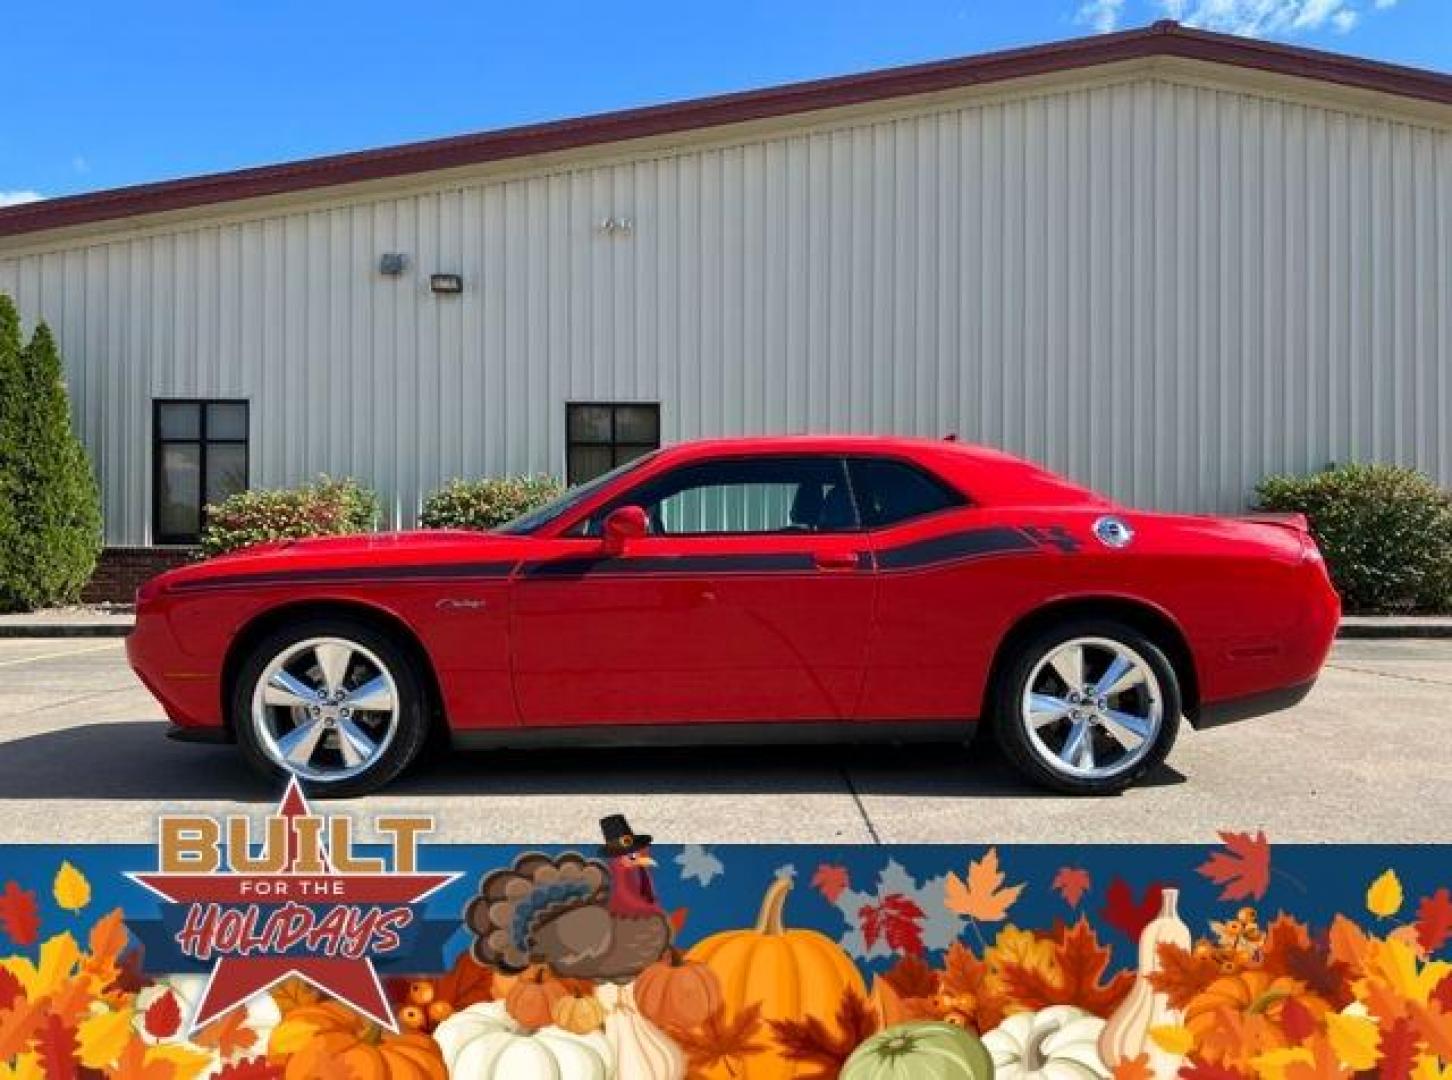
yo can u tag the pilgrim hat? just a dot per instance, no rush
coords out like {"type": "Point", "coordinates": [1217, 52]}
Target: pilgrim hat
{"type": "Point", "coordinates": [619, 840]}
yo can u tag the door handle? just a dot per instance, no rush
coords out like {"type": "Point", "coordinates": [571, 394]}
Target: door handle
{"type": "Point", "coordinates": [835, 560]}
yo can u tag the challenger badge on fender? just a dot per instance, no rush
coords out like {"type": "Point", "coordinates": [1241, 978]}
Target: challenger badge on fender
{"type": "Point", "coordinates": [1113, 532]}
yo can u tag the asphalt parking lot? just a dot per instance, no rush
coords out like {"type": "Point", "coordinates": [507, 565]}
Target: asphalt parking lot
{"type": "Point", "coordinates": [1366, 758]}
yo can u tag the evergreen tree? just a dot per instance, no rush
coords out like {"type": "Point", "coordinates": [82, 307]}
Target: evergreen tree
{"type": "Point", "coordinates": [55, 503]}
{"type": "Point", "coordinates": [10, 343]}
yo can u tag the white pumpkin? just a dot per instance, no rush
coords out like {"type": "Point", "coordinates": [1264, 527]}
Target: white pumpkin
{"type": "Point", "coordinates": [483, 1042]}
{"type": "Point", "coordinates": [1057, 1043]}
{"type": "Point", "coordinates": [642, 1051]}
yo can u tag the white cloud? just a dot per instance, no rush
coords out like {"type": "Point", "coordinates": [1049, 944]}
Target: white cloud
{"type": "Point", "coordinates": [1103, 15]}
{"type": "Point", "coordinates": [1258, 18]}
{"type": "Point", "coordinates": [16, 198]}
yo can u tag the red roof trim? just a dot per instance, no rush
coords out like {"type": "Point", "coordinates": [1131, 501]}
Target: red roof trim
{"type": "Point", "coordinates": [1161, 39]}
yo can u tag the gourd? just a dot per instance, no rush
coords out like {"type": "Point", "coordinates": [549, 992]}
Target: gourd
{"type": "Point", "coordinates": [483, 1042]}
{"type": "Point", "coordinates": [642, 1051]}
{"type": "Point", "coordinates": [924, 1050]}
{"type": "Point", "coordinates": [674, 993]}
{"type": "Point", "coordinates": [1057, 1043]}
{"type": "Point", "coordinates": [333, 1033]}
{"type": "Point", "coordinates": [579, 1012]}
{"type": "Point", "coordinates": [790, 974]}
{"type": "Point", "coordinates": [1127, 1034]}
{"type": "Point", "coordinates": [531, 1000]}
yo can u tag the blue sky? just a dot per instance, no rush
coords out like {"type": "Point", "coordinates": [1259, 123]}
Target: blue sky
{"type": "Point", "coordinates": [103, 95]}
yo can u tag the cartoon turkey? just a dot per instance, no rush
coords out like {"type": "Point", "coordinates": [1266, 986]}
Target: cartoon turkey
{"type": "Point", "coordinates": [584, 918]}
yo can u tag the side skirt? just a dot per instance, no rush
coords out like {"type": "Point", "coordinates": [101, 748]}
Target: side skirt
{"type": "Point", "coordinates": [717, 734]}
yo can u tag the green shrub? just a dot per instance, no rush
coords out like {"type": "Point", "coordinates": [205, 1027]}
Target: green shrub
{"type": "Point", "coordinates": [54, 513]}
{"type": "Point", "coordinates": [1386, 533]}
{"type": "Point", "coordinates": [486, 504]}
{"type": "Point", "coordinates": [325, 507]}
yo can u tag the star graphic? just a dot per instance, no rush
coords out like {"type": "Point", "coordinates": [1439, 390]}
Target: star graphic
{"type": "Point", "coordinates": [235, 979]}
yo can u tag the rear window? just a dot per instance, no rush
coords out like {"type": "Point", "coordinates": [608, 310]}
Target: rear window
{"type": "Point", "coordinates": [889, 491]}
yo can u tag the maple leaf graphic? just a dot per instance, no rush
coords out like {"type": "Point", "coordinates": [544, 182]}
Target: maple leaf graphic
{"type": "Point", "coordinates": [1127, 915]}
{"type": "Point", "coordinates": [1072, 883]}
{"type": "Point", "coordinates": [1434, 920]}
{"type": "Point", "coordinates": [896, 920]}
{"type": "Point", "coordinates": [983, 895]}
{"type": "Point", "coordinates": [19, 914]}
{"type": "Point", "coordinates": [1243, 868]}
{"type": "Point", "coordinates": [831, 881]}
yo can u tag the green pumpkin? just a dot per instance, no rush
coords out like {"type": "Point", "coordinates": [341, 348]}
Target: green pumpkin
{"type": "Point", "coordinates": [922, 1050]}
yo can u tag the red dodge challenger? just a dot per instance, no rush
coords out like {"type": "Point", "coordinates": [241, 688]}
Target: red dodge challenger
{"type": "Point", "coordinates": [789, 589]}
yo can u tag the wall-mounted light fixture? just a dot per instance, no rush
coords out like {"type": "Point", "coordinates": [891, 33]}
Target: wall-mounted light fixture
{"type": "Point", "coordinates": [392, 263]}
{"type": "Point", "coordinates": [614, 225]}
{"type": "Point", "coordinates": [446, 284]}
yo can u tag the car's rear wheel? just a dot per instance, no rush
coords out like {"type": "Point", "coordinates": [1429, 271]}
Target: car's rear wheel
{"type": "Point", "coordinates": [335, 703]}
{"type": "Point", "coordinates": [1087, 707]}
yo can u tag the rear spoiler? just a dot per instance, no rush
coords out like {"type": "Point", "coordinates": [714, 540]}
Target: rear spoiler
{"type": "Point", "coordinates": [1288, 520]}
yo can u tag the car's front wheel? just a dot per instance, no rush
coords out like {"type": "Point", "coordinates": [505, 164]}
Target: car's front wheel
{"type": "Point", "coordinates": [1087, 707]}
{"type": "Point", "coordinates": [335, 703]}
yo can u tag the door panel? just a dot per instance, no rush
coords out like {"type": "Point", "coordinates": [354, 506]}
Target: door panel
{"type": "Point", "coordinates": [699, 629]}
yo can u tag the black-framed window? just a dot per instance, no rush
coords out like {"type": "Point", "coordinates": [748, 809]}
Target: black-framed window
{"type": "Point", "coordinates": [765, 494]}
{"type": "Point", "coordinates": [199, 456]}
{"type": "Point", "coordinates": [601, 435]}
{"type": "Point", "coordinates": [889, 491]}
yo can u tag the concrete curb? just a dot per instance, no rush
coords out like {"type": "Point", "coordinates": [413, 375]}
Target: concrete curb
{"type": "Point", "coordinates": [1351, 628]}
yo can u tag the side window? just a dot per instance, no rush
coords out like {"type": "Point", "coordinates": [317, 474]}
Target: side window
{"type": "Point", "coordinates": [889, 491]}
{"type": "Point", "coordinates": [746, 495]}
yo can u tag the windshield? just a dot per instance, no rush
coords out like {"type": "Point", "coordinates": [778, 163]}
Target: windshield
{"type": "Point", "coordinates": [557, 508]}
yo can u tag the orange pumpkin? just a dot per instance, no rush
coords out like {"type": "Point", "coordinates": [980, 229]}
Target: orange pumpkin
{"type": "Point", "coordinates": [579, 1011]}
{"type": "Point", "coordinates": [330, 1033]}
{"type": "Point", "coordinates": [531, 1000]}
{"type": "Point", "coordinates": [791, 974]}
{"type": "Point", "coordinates": [672, 993]}
{"type": "Point", "coordinates": [1238, 1017]}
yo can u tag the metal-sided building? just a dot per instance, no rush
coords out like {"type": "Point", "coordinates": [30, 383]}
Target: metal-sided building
{"type": "Point", "coordinates": [1164, 262]}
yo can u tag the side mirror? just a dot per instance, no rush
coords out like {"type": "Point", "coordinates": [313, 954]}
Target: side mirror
{"type": "Point", "coordinates": [624, 523]}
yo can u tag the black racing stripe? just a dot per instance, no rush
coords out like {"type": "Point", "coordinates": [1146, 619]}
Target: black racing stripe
{"type": "Point", "coordinates": [590, 566]}
{"type": "Point", "coordinates": [1054, 536]}
{"type": "Point", "coordinates": [364, 575]}
{"type": "Point", "coordinates": [955, 547]}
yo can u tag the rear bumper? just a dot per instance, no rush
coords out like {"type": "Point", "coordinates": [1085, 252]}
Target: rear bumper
{"type": "Point", "coordinates": [1218, 713]}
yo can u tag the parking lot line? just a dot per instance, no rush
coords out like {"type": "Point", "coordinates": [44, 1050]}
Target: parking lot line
{"type": "Point", "coordinates": [59, 655]}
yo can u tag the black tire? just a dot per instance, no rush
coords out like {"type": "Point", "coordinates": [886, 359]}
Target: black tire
{"type": "Point", "coordinates": [1010, 727]}
{"type": "Point", "coordinates": [411, 728]}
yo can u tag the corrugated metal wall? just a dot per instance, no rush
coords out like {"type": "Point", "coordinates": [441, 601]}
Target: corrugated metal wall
{"type": "Point", "coordinates": [1162, 290]}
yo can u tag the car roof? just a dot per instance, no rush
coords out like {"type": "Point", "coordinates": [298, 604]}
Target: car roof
{"type": "Point", "coordinates": [837, 444]}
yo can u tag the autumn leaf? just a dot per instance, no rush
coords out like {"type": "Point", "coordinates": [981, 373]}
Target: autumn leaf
{"type": "Point", "coordinates": [467, 983]}
{"type": "Point", "coordinates": [17, 1025]}
{"type": "Point", "coordinates": [1072, 883]}
{"type": "Point", "coordinates": [136, 1063]}
{"type": "Point", "coordinates": [962, 971]}
{"type": "Point", "coordinates": [256, 1068]}
{"type": "Point", "coordinates": [810, 1041]}
{"type": "Point", "coordinates": [913, 977]}
{"type": "Point", "coordinates": [162, 1020]}
{"type": "Point", "coordinates": [722, 1042]}
{"type": "Point", "coordinates": [1080, 962]}
{"type": "Point", "coordinates": [1297, 1021]}
{"type": "Point", "coordinates": [1384, 896]}
{"type": "Point", "coordinates": [186, 1062]}
{"type": "Point", "coordinates": [19, 914]}
{"type": "Point", "coordinates": [897, 920]}
{"type": "Point", "coordinates": [1135, 1068]}
{"type": "Point", "coordinates": [103, 1038]}
{"type": "Point", "coordinates": [71, 889]}
{"type": "Point", "coordinates": [1434, 920]}
{"type": "Point", "coordinates": [893, 1008]}
{"type": "Point", "coordinates": [106, 940]}
{"type": "Point", "coordinates": [983, 895]}
{"type": "Point", "coordinates": [1122, 912]}
{"type": "Point", "coordinates": [294, 993]}
{"type": "Point", "coordinates": [1400, 1048]}
{"type": "Point", "coordinates": [1353, 1040]}
{"type": "Point", "coordinates": [1173, 1039]}
{"type": "Point", "coordinates": [55, 1045]}
{"type": "Point", "coordinates": [1349, 943]}
{"type": "Point", "coordinates": [1202, 1070]}
{"type": "Point", "coordinates": [831, 881]}
{"type": "Point", "coordinates": [11, 990]}
{"type": "Point", "coordinates": [1435, 1027]}
{"type": "Point", "coordinates": [1289, 951]}
{"type": "Point", "coordinates": [229, 1034]}
{"type": "Point", "coordinates": [1243, 868]}
{"type": "Point", "coordinates": [1182, 974]}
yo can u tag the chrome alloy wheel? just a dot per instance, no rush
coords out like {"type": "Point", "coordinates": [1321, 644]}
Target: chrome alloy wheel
{"type": "Point", "coordinates": [325, 709]}
{"type": "Point", "coordinates": [1092, 708]}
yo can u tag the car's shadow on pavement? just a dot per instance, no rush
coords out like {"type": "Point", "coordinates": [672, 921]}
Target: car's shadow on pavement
{"type": "Point", "coordinates": [130, 760]}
